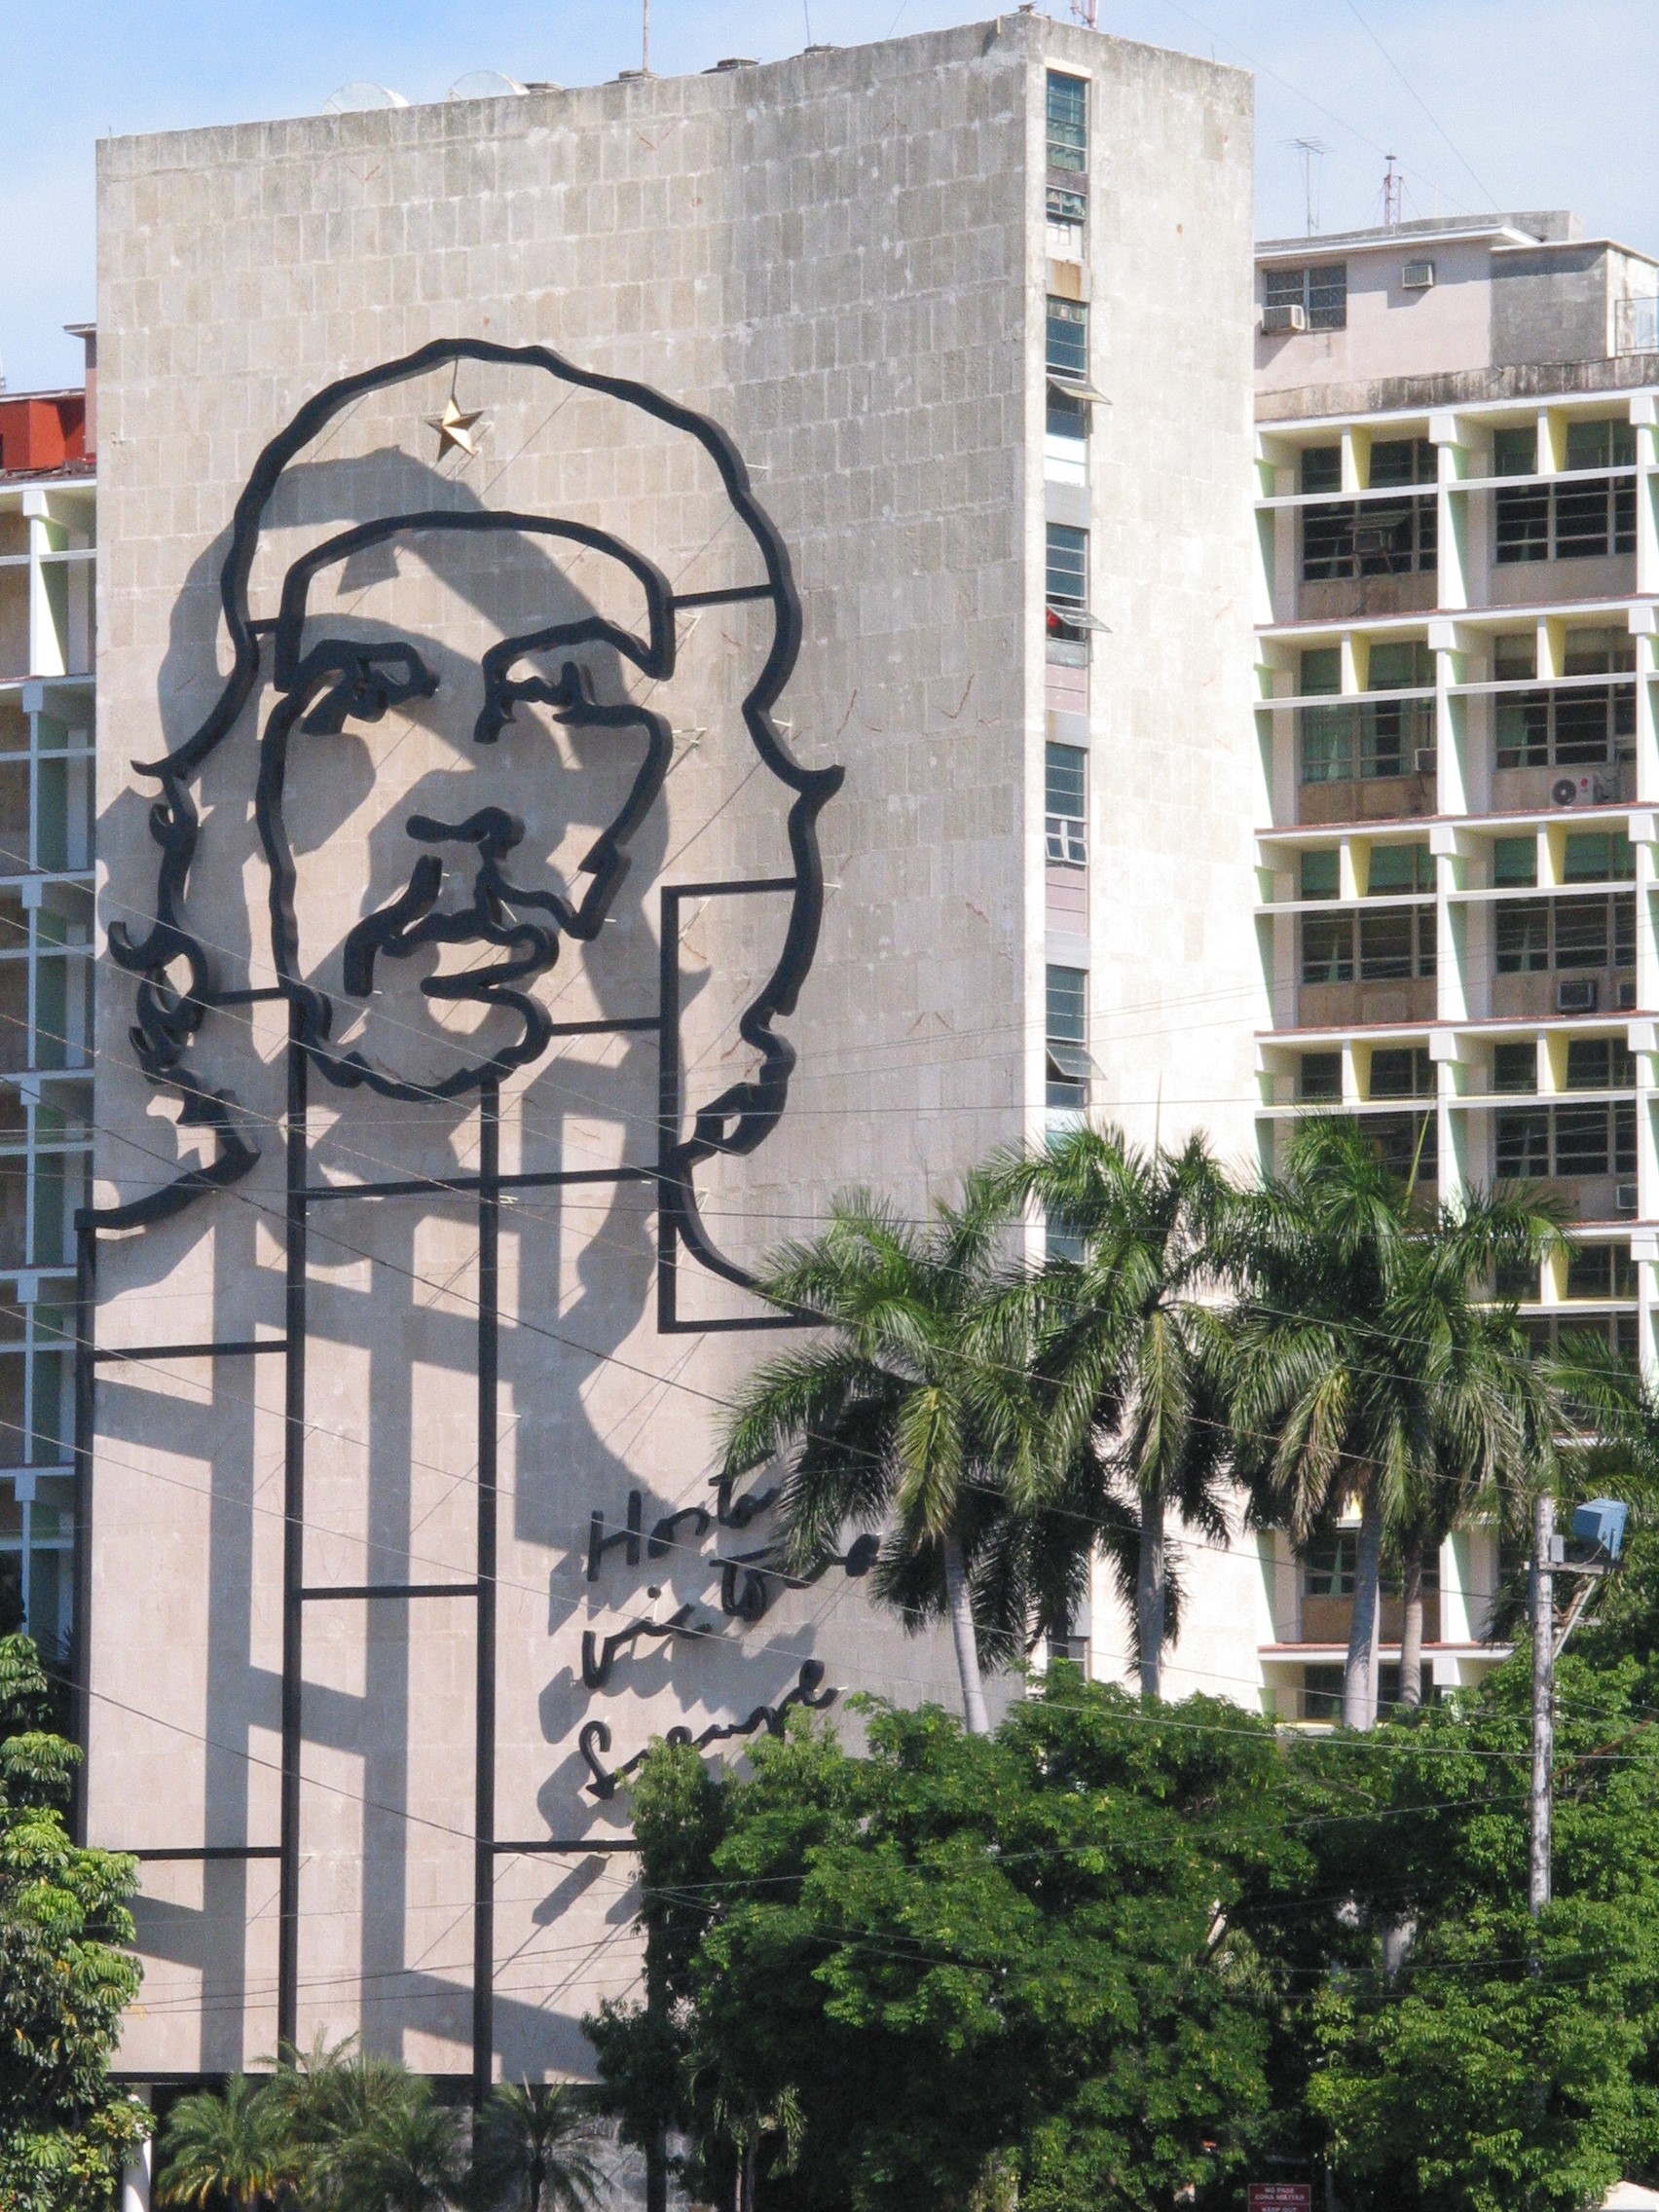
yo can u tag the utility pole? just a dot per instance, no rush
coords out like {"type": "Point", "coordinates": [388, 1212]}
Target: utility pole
{"type": "Point", "coordinates": [1543, 1700]}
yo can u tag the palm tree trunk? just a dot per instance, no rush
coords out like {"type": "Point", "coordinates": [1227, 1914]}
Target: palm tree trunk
{"type": "Point", "coordinates": [1358, 1707]}
{"type": "Point", "coordinates": [1410, 1625]}
{"type": "Point", "coordinates": [959, 1597]}
{"type": "Point", "coordinates": [1149, 1593]}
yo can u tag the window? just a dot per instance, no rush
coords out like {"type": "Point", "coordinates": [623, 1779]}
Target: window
{"type": "Point", "coordinates": [1068, 566]}
{"type": "Point", "coordinates": [1319, 874]}
{"type": "Point", "coordinates": [1395, 943]}
{"type": "Point", "coordinates": [1376, 538]}
{"type": "Point", "coordinates": [1373, 738]}
{"type": "Point", "coordinates": [1401, 666]}
{"type": "Point", "coordinates": [1403, 461]}
{"type": "Point", "coordinates": [1321, 671]}
{"type": "Point", "coordinates": [1322, 468]}
{"type": "Point", "coordinates": [1067, 416]}
{"type": "Point", "coordinates": [1068, 1037]}
{"type": "Point", "coordinates": [1531, 935]}
{"type": "Point", "coordinates": [1598, 652]}
{"type": "Point", "coordinates": [1319, 1077]}
{"type": "Point", "coordinates": [1600, 445]}
{"type": "Point", "coordinates": [1568, 520]}
{"type": "Point", "coordinates": [1515, 452]}
{"type": "Point", "coordinates": [1408, 1147]}
{"type": "Point", "coordinates": [1402, 1071]}
{"type": "Point", "coordinates": [1067, 349]}
{"type": "Point", "coordinates": [1515, 1067]}
{"type": "Point", "coordinates": [1598, 856]}
{"type": "Point", "coordinates": [1329, 1566]}
{"type": "Point", "coordinates": [1327, 948]}
{"type": "Point", "coordinates": [1515, 655]}
{"type": "Point", "coordinates": [1514, 860]}
{"type": "Point", "coordinates": [1566, 1140]}
{"type": "Point", "coordinates": [1319, 291]}
{"type": "Point", "coordinates": [1066, 784]}
{"type": "Point", "coordinates": [1399, 867]}
{"type": "Point", "coordinates": [1599, 1270]}
{"type": "Point", "coordinates": [1599, 1063]}
{"type": "Point", "coordinates": [1068, 123]}
{"type": "Point", "coordinates": [1567, 729]}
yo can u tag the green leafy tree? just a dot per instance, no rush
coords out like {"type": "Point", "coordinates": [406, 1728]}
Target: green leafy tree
{"type": "Point", "coordinates": [534, 2150]}
{"type": "Point", "coordinates": [1125, 1340]}
{"type": "Point", "coordinates": [65, 2132]}
{"type": "Point", "coordinates": [912, 1417]}
{"type": "Point", "coordinates": [1503, 2065]}
{"type": "Point", "coordinates": [319, 2101]}
{"type": "Point", "coordinates": [1365, 1366]}
{"type": "Point", "coordinates": [225, 2150]}
{"type": "Point", "coordinates": [961, 1965]}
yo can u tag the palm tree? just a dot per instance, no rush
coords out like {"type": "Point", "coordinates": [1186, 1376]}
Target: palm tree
{"type": "Point", "coordinates": [914, 1416]}
{"type": "Point", "coordinates": [533, 2146]}
{"type": "Point", "coordinates": [230, 2148]}
{"type": "Point", "coordinates": [1125, 1339]}
{"type": "Point", "coordinates": [409, 2155]}
{"type": "Point", "coordinates": [324, 2098]}
{"type": "Point", "coordinates": [1363, 1368]}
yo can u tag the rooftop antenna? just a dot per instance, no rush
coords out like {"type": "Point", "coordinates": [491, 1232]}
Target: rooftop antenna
{"type": "Point", "coordinates": [1392, 184]}
{"type": "Point", "coordinates": [646, 38]}
{"type": "Point", "coordinates": [1312, 152]}
{"type": "Point", "coordinates": [1083, 12]}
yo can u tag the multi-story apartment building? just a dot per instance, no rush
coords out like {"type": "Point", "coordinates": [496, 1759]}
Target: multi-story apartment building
{"type": "Point", "coordinates": [1457, 440]}
{"type": "Point", "coordinates": [902, 390]}
{"type": "Point", "coordinates": [48, 497]}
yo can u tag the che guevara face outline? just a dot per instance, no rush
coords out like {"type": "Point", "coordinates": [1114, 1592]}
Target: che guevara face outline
{"type": "Point", "coordinates": [179, 988]}
{"type": "Point", "coordinates": [339, 682]}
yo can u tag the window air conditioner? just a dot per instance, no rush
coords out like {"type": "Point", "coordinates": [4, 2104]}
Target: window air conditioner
{"type": "Point", "coordinates": [1276, 320]}
{"type": "Point", "coordinates": [1427, 760]}
{"type": "Point", "coordinates": [1627, 995]}
{"type": "Point", "coordinates": [1416, 276]}
{"type": "Point", "coordinates": [1579, 790]}
{"type": "Point", "coordinates": [1577, 994]}
{"type": "Point", "coordinates": [1625, 1198]}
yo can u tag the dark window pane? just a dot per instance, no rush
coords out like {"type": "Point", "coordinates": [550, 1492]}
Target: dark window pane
{"type": "Point", "coordinates": [1582, 933]}
{"type": "Point", "coordinates": [1068, 338]}
{"type": "Point", "coordinates": [1329, 1567]}
{"type": "Point", "coordinates": [1521, 928]}
{"type": "Point", "coordinates": [1581, 1146]}
{"type": "Point", "coordinates": [1408, 1146]}
{"type": "Point", "coordinates": [1624, 1137]}
{"type": "Point", "coordinates": [1399, 867]}
{"type": "Point", "coordinates": [1068, 1005]}
{"type": "Point", "coordinates": [1385, 945]}
{"type": "Point", "coordinates": [1065, 779]}
{"type": "Point", "coordinates": [1068, 566]}
{"type": "Point", "coordinates": [1583, 727]}
{"type": "Point", "coordinates": [1327, 744]}
{"type": "Point", "coordinates": [1624, 932]}
{"type": "Point", "coordinates": [1588, 1063]}
{"type": "Point", "coordinates": [1515, 1067]}
{"type": "Point", "coordinates": [1524, 1144]}
{"type": "Point", "coordinates": [1327, 948]}
{"type": "Point", "coordinates": [1523, 733]}
{"type": "Point", "coordinates": [1327, 296]}
{"type": "Point", "coordinates": [1320, 1075]}
{"type": "Point", "coordinates": [1321, 670]}
{"type": "Point", "coordinates": [1321, 465]}
{"type": "Point", "coordinates": [1515, 452]}
{"type": "Point", "coordinates": [1319, 875]}
{"type": "Point", "coordinates": [1327, 544]}
{"type": "Point", "coordinates": [1514, 860]}
{"type": "Point", "coordinates": [1524, 525]}
{"type": "Point", "coordinates": [1590, 1270]}
{"type": "Point", "coordinates": [1583, 520]}
{"type": "Point", "coordinates": [1068, 121]}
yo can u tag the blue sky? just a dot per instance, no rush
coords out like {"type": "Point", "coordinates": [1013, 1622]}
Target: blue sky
{"type": "Point", "coordinates": [1527, 103]}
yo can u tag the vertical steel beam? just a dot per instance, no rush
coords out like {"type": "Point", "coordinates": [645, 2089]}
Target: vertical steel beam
{"type": "Point", "coordinates": [293, 1548]}
{"type": "Point", "coordinates": [484, 1822]}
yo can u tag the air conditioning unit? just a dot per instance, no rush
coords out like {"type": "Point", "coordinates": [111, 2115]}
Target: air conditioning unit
{"type": "Point", "coordinates": [1276, 320]}
{"type": "Point", "coordinates": [1577, 994]}
{"type": "Point", "coordinates": [1428, 760]}
{"type": "Point", "coordinates": [1580, 791]}
{"type": "Point", "coordinates": [1624, 1198]}
{"type": "Point", "coordinates": [1416, 276]}
{"type": "Point", "coordinates": [1627, 996]}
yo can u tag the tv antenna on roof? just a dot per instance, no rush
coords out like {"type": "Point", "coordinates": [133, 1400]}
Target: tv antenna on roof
{"type": "Point", "coordinates": [1392, 190]}
{"type": "Point", "coordinates": [1083, 12]}
{"type": "Point", "coordinates": [1312, 152]}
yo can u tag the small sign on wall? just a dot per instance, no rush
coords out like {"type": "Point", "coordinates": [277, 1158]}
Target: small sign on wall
{"type": "Point", "coordinates": [1281, 2197]}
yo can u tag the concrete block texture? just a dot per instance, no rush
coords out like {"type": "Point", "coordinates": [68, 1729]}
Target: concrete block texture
{"type": "Point", "coordinates": [839, 258]}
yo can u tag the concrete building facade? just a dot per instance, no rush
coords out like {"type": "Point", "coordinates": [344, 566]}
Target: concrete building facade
{"type": "Point", "coordinates": [517, 488]}
{"type": "Point", "coordinates": [1459, 767]}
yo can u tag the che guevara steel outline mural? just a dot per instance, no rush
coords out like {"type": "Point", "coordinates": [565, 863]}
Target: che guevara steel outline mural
{"type": "Point", "coordinates": [315, 691]}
